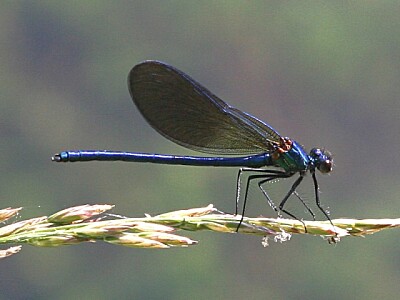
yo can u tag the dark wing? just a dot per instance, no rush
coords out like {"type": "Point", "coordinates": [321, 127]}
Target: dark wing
{"type": "Point", "coordinates": [188, 114]}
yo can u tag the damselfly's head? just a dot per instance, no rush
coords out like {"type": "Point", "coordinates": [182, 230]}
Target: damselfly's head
{"type": "Point", "coordinates": [322, 159]}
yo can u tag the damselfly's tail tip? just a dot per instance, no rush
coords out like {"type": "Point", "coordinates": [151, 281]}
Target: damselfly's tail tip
{"type": "Point", "coordinates": [56, 157]}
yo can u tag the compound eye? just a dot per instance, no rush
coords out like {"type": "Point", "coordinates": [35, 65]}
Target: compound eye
{"type": "Point", "coordinates": [322, 159]}
{"type": "Point", "coordinates": [325, 166]}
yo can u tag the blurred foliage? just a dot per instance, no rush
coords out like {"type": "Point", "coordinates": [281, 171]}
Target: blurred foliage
{"type": "Point", "coordinates": [325, 73]}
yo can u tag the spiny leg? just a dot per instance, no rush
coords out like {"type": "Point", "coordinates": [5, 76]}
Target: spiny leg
{"type": "Point", "coordinates": [239, 181]}
{"type": "Point", "coordinates": [269, 200]}
{"type": "Point", "coordinates": [272, 204]}
{"type": "Point", "coordinates": [318, 202]}
{"type": "Point", "coordinates": [305, 204]}
{"type": "Point", "coordinates": [265, 173]}
{"type": "Point", "coordinates": [276, 175]}
{"type": "Point", "coordinates": [291, 191]}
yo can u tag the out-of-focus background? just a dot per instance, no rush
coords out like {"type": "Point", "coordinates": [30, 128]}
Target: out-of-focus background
{"type": "Point", "coordinates": [324, 73]}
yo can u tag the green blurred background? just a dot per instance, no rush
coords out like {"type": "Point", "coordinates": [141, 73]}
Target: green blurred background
{"type": "Point", "coordinates": [324, 73]}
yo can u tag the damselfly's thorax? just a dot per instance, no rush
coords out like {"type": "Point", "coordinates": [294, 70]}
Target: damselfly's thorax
{"type": "Point", "coordinates": [292, 157]}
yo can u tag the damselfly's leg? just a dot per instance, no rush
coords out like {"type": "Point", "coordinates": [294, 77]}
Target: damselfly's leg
{"type": "Point", "coordinates": [291, 191]}
{"type": "Point", "coordinates": [294, 193]}
{"type": "Point", "coordinates": [262, 174]}
{"type": "Point", "coordinates": [317, 201]}
{"type": "Point", "coordinates": [305, 204]}
{"type": "Point", "coordinates": [269, 200]}
{"type": "Point", "coordinates": [278, 210]}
